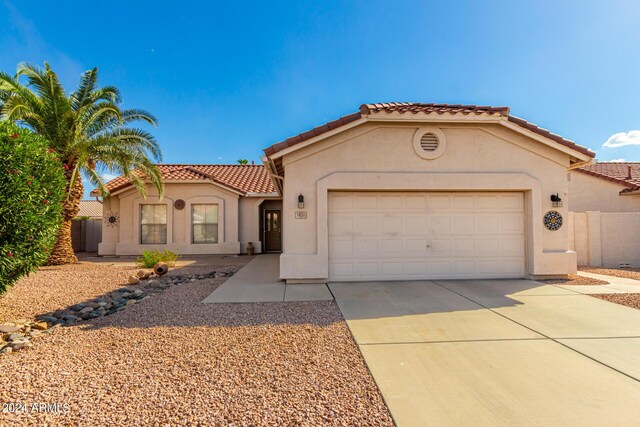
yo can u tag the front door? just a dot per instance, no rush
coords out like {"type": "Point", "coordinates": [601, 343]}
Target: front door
{"type": "Point", "coordinates": [272, 231]}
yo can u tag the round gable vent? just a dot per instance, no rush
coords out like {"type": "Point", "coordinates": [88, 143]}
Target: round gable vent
{"type": "Point", "coordinates": [429, 142]}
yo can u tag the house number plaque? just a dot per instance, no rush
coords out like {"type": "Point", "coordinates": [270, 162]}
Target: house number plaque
{"type": "Point", "coordinates": [301, 214]}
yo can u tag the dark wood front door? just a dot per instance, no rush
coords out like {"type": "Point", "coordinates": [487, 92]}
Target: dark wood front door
{"type": "Point", "coordinates": [272, 231]}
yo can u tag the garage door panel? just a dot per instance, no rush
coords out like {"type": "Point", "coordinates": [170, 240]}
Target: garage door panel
{"type": "Point", "coordinates": [416, 246]}
{"type": "Point", "coordinates": [391, 270]}
{"type": "Point", "coordinates": [464, 246]}
{"type": "Point", "coordinates": [367, 225]}
{"type": "Point", "coordinates": [513, 267]}
{"type": "Point", "coordinates": [489, 246]}
{"type": "Point", "coordinates": [339, 202]}
{"type": "Point", "coordinates": [463, 202]}
{"type": "Point", "coordinates": [392, 247]}
{"type": "Point", "coordinates": [414, 202]}
{"type": "Point", "coordinates": [390, 202]}
{"type": "Point", "coordinates": [439, 202]}
{"type": "Point", "coordinates": [341, 271]}
{"type": "Point", "coordinates": [488, 224]}
{"type": "Point", "coordinates": [463, 224]}
{"type": "Point", "coordinates": [511, 202]}
{"type": "Point", "coordinates": [339, 225]}
{"type": "Point", "coordinates": [415, 224]}
{"type": "Point", "coordinates": [341, 246]}
{"type": "Point", "coordinates": [366, 270]}
{"type": "Point", "coordinates": [439, 224]}
{"type": "Point", "coordinates": [439, 268]}
{"type": "Point", "coordinates": [463, 268]}
{"type": "Point", "coordinates": [439, 247]}
{"type": "Point", "coordinates": [395, 236]}
{"type": "Point", "coordinates": [511, 246]}
{"type": "Point", "coordinates": [392, 224]}
{"type": "Point", "coordinates": [415, 269]}
{"type": "Point", "coordinates": [511, 223]}
{"type": "Point", "coordinates": [488, 268]}
{"type": "Point", "coordinates": [366, 202]}
{"type": "Point", "coordinates": [366, 247]}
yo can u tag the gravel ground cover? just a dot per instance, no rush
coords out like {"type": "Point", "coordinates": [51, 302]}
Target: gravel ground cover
{"type": "Point", "coordinates": [54, 288]}
{"type": "Point", "coordinates": [630, 300]}
{"type": "Point", "coordinates": [171, 360]}
{"type": "Point", "coordinates": [626, 273]}
{"type": "Point", "coordinates": [574, 279]}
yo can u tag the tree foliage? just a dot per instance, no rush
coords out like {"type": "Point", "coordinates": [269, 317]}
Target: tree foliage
{"type": "Point", "coordinates": [32, 187]}
{"type": "Point", "coordinates": [89, 131]}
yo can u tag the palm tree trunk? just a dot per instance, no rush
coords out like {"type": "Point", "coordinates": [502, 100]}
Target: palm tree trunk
{"type": "Point", "coordinates": [62, 252]}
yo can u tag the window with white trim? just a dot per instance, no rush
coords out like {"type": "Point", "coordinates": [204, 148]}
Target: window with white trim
{"type": "Point", "coordinates": [204, 223]}
{"type": "Point", "coordinates": [153, 224]}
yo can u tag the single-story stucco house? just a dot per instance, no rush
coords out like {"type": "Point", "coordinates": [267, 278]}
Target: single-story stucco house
{"type": "Point", "coordinates": [395, 191]}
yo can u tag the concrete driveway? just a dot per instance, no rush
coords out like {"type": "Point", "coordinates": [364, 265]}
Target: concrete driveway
{"type": "Point", "coordinates": [496, 352]}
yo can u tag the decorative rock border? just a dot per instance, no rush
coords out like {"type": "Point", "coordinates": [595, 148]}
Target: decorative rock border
{"type": "Point", "coordinates": [17, 334]}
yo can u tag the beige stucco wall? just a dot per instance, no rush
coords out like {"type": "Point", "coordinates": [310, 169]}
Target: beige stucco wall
{"type": "Point", "coordinates": [589, 193]}
{"type": "Point", "coordinates": [376, 156]}
{"type": "Point", "coordinates": [125, 238]}
{"type": "Point", "coordinates": [249, 222]}
{"type": "Point", "coordinates": [607, 239]}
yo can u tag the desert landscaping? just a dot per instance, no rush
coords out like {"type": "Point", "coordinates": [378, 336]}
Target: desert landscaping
{"type": "Point", "coordinates": [168, 359]}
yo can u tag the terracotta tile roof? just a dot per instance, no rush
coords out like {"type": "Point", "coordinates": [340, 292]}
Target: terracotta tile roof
{"type": "Point", "coordinates": [242, 178]}
{"type": "Point", "coordinates": [415, 108]}
{"type": "Point", "coordinates": [626, 174]}
{"type": "Point", "coordinates": [90, 208]}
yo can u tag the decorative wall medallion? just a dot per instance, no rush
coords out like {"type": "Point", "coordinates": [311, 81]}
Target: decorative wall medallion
{"type": "Point", "coordinates": [553, 220]}
{"type": "Point", "coordinates": [112, 219]}
{"type": "Point", "coordinates": [179, 204]}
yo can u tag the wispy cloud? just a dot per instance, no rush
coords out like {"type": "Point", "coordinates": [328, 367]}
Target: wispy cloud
{"type": "Point", "coordinates": [622, 139]}
{"type": "Point", "coordinates": [617, 160]}
{"type": "Point", "coordinates": [108, 176]}
{"type": "Point", "coordinates": [26, 42]}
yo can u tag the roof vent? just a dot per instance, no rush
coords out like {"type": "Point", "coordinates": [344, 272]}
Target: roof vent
{"type": "Point", "coordinates": [429, 142]}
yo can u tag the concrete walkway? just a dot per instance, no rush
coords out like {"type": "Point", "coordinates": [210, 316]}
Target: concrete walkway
{"type": "Point", "coordinates": [259, 281]}
{"type": "Point", "coordinates": [496, 352]}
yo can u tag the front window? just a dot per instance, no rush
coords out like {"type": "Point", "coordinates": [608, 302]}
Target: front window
{"type": "Point", "coordinates": [153, 224]}
{"type": "Point", "coordinates": [205, 223]}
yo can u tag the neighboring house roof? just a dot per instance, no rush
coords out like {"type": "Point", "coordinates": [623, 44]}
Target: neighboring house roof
{"type": "Point", "coordinates": [90, 208]}
{"type": "Point", "coordinates": [626, 174]}
{"type": "Point", "coordinates": [415, 108]}
{"type": "Point", "coordinates": [240, 178]}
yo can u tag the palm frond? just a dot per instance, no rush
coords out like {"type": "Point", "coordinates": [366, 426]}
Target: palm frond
{"type": "Point", "coordinates": [87, 127]}
{"type": "Point", "coordinates": [87, 85]}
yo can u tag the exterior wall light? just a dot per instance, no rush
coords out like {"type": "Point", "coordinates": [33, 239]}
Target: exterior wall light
{"type": "Point", "coordinates": [300, 201]}
{"type": "Point", "coordinates": [556, 201]}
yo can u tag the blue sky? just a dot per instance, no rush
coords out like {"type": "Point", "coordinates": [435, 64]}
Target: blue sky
{"type": "Point", "coordinates": [227, 79]}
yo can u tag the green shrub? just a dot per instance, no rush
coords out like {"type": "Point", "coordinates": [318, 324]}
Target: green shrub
{"type": "Point", "coordinates": [151, 258]}
{"type": "Point", "coordinates": [32, 187]}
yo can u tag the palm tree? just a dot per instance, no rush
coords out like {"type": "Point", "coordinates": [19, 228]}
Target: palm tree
{"type": "Point", "coordinates": [88, 130]}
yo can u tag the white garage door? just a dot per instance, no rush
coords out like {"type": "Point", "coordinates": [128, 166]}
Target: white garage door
{"type": "Point", "coordinates": [408, 236]}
